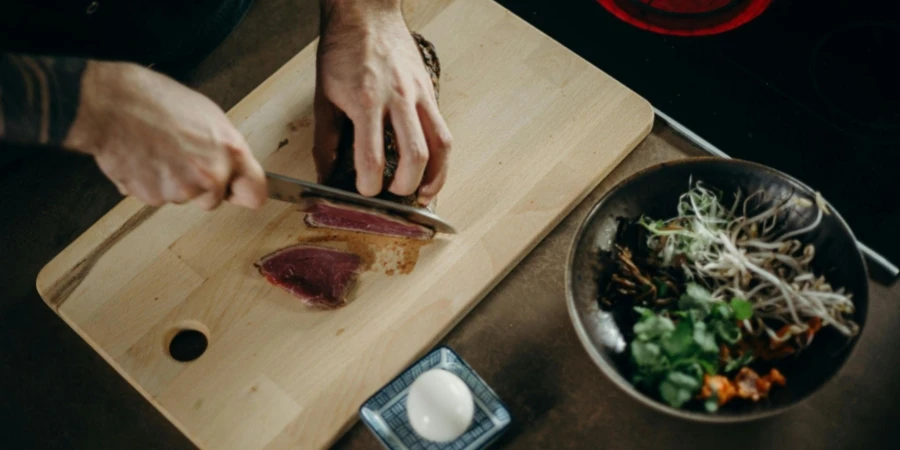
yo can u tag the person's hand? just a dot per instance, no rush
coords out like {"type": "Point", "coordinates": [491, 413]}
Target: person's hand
{"type": "Point", "coordinates": [369, 70]}
{"type": "Point", "coordinates": [161, 141]}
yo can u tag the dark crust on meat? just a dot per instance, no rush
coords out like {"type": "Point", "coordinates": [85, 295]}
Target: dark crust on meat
{"type": "Point", "coordinates": [344, 174]}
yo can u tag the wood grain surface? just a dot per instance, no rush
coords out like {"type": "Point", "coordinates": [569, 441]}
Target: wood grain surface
{"type": "Point", "coordinates": [535, 128]}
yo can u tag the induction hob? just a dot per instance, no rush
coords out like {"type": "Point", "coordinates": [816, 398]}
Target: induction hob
{"type": "Point", "coordinates": [809, 87]}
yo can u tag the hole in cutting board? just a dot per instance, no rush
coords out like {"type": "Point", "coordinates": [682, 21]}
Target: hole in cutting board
{"type": "Point", "coordinates": [187, 344]}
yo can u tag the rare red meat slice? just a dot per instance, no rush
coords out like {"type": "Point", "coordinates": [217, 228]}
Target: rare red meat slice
{"type": "Point", "coordinates": [327, 214]}
{"type": "Point", "coordinates": [320, 276]}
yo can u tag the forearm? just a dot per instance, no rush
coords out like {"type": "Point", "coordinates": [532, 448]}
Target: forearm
{"type": "Point", "coordinates": [341, 4]}
{"type": "Point", "coordinates": [355, 9]}
{"type": "Point", "coordinates": [39, 97]}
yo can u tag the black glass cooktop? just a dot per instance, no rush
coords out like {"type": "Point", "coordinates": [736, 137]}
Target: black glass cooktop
{"type": "Point", "coordinates": [809, 87]}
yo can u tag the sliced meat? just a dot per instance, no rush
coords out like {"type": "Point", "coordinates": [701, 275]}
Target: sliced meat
{"type": "Point", "coordinates": [328, 214]}
{"type": "Point", "coordinates": [320, 276]}
{"type": "Point", "coordinates": [344, 174]}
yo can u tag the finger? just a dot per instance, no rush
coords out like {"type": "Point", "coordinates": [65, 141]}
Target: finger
{"type": "Point", "coordinates": [327, 134]}
{"type": "Point", "coordinates": [214, 181]}
{"type": "Point", "coordinates": [368, 153]}
{"type": "Point", "coordinates": [213, 175]}
{"type": "Point", "coordinates": [143, 192]}
{"type": "Point", "coordinates": [178, 185]}
{"type": "Point", "coordinates": [248, 188]}
{"type": "Point", "coordinates": [121, 187]}
{"type": "Point", "coordinates": [180, 193]}
{"type": "Point", "coordinates": [440, 143]}
{"type": "Point", "coordinates": [209, 200]}
{"type": "Point", "coordinates": [412, 148]}
{"type": "Point", "coordinates": [103, 165]}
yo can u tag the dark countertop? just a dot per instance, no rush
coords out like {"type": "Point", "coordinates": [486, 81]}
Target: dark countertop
{"type": "Point", "coordinates": [58, 393]}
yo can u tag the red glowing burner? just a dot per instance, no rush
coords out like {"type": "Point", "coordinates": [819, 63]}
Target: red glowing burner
{"type": "Point", "coordinates": [686, 17]}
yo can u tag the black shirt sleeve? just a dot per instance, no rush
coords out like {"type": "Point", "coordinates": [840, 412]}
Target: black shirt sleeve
{"type": "Point", "coordinates": [39, 97]}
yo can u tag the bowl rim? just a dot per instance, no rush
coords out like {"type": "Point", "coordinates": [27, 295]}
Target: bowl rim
{"type": "Point", "coordinates": [613, 374]}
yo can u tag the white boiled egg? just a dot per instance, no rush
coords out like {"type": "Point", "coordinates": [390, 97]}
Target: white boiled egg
{"type": "Point", "coordinates": [439, 406]}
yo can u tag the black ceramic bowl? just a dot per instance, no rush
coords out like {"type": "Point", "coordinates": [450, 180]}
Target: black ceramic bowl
{"type": "Point", "coordinates": [655, 192]}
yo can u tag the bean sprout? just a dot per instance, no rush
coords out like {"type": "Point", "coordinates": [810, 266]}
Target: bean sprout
{"type": "Point", "coordinates": [752, 257]}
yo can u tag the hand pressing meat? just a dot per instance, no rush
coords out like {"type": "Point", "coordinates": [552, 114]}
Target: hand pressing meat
{"type": "Point", "coordinates": [370, 73]}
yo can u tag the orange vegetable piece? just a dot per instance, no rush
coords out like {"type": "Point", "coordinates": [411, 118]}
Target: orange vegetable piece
{"type": "Point", "coordinates": [775, 377]}
{"type": "Point", "coordinates": [717, 385]}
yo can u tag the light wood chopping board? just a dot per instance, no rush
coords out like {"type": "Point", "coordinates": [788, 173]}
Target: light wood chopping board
{"type": "Point", "coordinates": [535, 129]}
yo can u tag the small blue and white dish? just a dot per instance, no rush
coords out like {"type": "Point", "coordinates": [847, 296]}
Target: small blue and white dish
{"type": "Point", "coordinates": [385, 412]}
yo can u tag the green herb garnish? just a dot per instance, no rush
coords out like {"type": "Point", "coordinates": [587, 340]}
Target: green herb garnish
{"type": "Point", "coordinates": [742, 308]}
{"type": "Point", "coordinates": [671, 355]}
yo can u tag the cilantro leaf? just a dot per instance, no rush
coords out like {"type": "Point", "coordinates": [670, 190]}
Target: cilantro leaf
{"type": "Point", "coordinates": [698, 292]}
{"type": "Point", "coordinates": [696, 315]}
{"type": "Point", "coordinates": [683, 380]}
{"type": "Point", "coordinates": [723, 311]}
{"type": "Point", "coordinates": [651, 327]}
{"type": "Point", "coordinates": [705, 339]}
{"type": "Point", "coordinates": [673, 395]}
{"type": "Point", "coordinates": [671, 357]}
{"type": "Point", "coordinates": [678, 388]}
{"type": "Point", "coordinates": [728, 331]}
{"type": "Point", "coordinates": [711, 367]}
{"type": "Point", "coordinates": [644, 312]}
{"type": "Point", "coordinates": [694, 369]}
{"type": "Point", "coordinates": [645, 354]}
{"type": "Point", "coordinates": [697, 298]}
{"type": "Point", "coordinates": [739, 362]}
{"type": "Point", "coordinates": [742, 308]}
{"type": "Point", "coordinates": [679, 342]}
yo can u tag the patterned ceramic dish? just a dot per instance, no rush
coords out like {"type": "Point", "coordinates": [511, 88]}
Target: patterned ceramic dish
{"type": "Point", "coordinates": [385, 412]}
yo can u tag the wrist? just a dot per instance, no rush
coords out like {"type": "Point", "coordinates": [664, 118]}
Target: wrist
{"type": "Point", "coordinates": [339, 5]}
{"type": "Point", "coordinates": [78, 135]}
{"type": "Point", "coordinates": [101, 93]}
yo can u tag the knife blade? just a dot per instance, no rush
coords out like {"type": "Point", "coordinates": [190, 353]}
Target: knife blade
{"type": "Point", "coordinates": [292, 190]}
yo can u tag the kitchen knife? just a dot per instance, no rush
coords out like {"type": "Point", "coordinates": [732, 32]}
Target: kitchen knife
{"type": "Point", "coordinates": [295, 191]}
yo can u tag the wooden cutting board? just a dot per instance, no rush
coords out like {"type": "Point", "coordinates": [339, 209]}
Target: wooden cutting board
{"type": "Point", "coordinates": [535, 129]}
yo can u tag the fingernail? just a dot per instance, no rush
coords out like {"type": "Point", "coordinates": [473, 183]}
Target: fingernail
{"type": "Point", "coordinates": [366, 186]}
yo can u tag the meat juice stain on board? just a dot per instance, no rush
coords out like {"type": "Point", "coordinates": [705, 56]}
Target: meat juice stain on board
{"type": "Point", "coordinates": [384, 254]}
{"type": "Point", "coordinates": [303, 122]}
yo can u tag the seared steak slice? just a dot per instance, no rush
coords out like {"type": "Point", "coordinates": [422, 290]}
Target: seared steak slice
{"type": "Point", "coordinates": [327, 214]}
{"type": "Point", "coordinates": [320, 276]}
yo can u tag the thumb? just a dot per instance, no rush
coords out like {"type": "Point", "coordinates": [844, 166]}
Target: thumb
{"type": "Point", "coordinates": [328, 123]}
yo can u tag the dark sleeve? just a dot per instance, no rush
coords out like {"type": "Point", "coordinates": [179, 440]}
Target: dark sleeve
{"type": "Point", "coordinates": [38, 97]}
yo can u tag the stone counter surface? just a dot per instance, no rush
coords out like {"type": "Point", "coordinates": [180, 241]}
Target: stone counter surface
{"type": "Point", "coordinates": [56, 392]}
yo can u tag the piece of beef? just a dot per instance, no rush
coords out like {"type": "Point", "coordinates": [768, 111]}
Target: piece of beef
{"type": "Point", "coordinates": [344, 174]}
{"type": "Point", "coordinates": [320, 276]}
{"type": "Point", "coordinates": [327, 214]}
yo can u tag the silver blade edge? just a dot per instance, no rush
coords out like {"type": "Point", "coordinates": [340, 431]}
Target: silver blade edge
{"type": "Point", "coordinates": [292, 190]}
